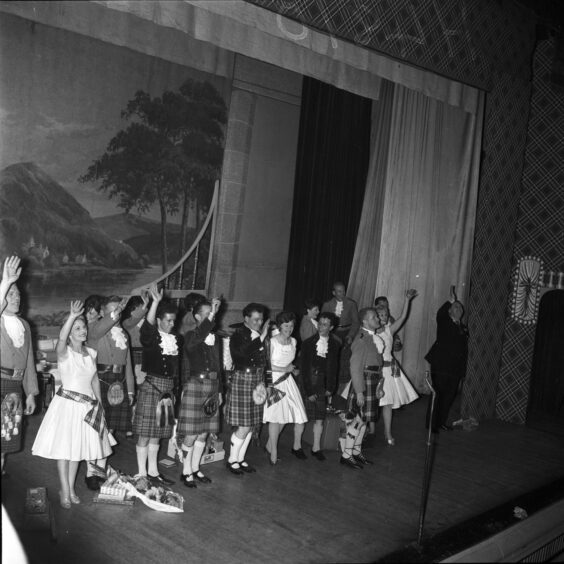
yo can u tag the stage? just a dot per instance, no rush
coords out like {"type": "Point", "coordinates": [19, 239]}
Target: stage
{"type": "Point", "coordinates": [297, 511]}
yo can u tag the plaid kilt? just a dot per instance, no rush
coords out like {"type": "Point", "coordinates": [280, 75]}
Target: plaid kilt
{"type": "Point", "coordinates": [192, 420]}
{"type": "Point", "coordinates": [14, 444]}
{"type": "Point", "coordinates": [240, 409]}
{"type": "Point", "coordinates": [118, 417]}
{"type": "Point", "coordinates": [369, 412]}
{"type": "Point", "coordinates": [145, 419]}
{"type": "Point", "coordinates": [316, 410]}
{"type": "Point", "coordinates": [137, 355]}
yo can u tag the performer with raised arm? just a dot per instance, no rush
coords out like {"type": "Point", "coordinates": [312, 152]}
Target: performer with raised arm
{"type": "Point", "coordinates": [447, 358]}
{"type": "Point", "coordinates": [115, 372]}
{"type": "Point", "coordinates": [246, 394]}
{"type": "Point", "coordinates": [201, 393]}
{"type": "Point", "coordinates": [154, 413]}
{"type": "Point", "coordinates": [398, 390]}
{"type": "Point", "coordinates": [17, 364]}
{"type": "Point", "coordinates": [366, 387]}
{"type": "Point", "coordinates": [74, 427]}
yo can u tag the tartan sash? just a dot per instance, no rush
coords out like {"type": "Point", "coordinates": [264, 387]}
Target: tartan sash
{"type": "Point", "coordinates": [274, 394]}
{"type": "Point", "coordinates": [95, 417]}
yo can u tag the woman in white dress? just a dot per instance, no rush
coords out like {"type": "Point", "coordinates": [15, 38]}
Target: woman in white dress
{"type": "Point", "coordinates": [284, 402]}
{"type": "Point", "coordinates": [74, 427]}
{"type": "Point", "coordinates": [397, 388]}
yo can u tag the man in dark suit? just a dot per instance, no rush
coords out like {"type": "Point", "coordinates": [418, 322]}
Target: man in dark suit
{"type": "Point", "coordinates": [447, 358]}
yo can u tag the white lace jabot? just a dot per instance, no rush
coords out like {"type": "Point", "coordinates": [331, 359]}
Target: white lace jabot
{"type": "Point", "coordinates": [168, 343]}
{"type": "Point", "coordinates": [322, 346]}
{"type": "Point", "coordinates": [119, 337]}
{"type": "Point", "coordinates": [339, 309]}
{"type": "Point", "coordinates": [15, 329]}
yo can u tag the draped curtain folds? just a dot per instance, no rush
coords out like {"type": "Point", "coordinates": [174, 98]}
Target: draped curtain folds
{"type": "Point", "coordinates": [430, 196]}
{"type": "Point", "coordinates": [333, 157]}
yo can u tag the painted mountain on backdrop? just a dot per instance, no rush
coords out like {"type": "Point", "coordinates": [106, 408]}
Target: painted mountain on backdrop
{"type": "Point", "coordinates": [41, 220]}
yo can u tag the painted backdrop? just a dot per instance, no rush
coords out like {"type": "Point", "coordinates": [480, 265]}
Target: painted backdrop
{"type": "Point", "coordinates": [108, 159]}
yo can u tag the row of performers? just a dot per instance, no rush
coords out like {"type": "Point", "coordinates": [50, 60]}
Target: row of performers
{"type": "Point", "coordinates": [260, 389]}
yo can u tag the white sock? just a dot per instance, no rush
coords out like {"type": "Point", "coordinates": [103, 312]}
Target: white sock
{"type": "Point", "coordinates": [244, 447]}
{"type": "Point", "coordinates": [352, 431]}
{"type": "Point", "coordinates": [101, 462]}
{"type": "Point", "coordinates": [199, 448]}
{"type": "Point", "coordinates": [153, 454]}
{"type": "Point", "coordinates": [358, 441]}
{"type": "Point", "coordinates": [187, 464]}
{"type": "Point", "coordinates": [142, 459]}
{"type": "Point", "coordinates": [236, 444]}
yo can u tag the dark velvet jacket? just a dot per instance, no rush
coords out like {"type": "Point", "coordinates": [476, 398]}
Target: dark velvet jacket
{"type": "Point", "coordinates": [309, 360]}
{"type": "Point", "coordinates": [245, 351]}
{"type": "Point", "coordinates": [154, 361]}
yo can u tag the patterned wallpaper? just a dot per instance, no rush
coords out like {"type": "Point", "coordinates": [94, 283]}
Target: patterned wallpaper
{"type": "Point", "coordinates": [540, 228]}
{"type": "Point", "coordinates": [462, 39]}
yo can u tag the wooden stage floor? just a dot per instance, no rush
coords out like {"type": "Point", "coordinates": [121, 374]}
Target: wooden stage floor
{"type": "Point", "coordinates": [297, 511]}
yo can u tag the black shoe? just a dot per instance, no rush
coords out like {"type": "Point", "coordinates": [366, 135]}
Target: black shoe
{"type": "Point", "coordinates": [246, 467]}
{"type": "Point", "coordinates": [93, 483]}
{"type": "Point", "coordinates": [231, 467]}
{"type": "Point", "coordinates": [318, 454]}
{"type": "Point", "coordinates": [201, 477]}
{"type": "Point", "coordinates": [350, 463]}
{"type": "Point", "coordinates": [188, 483]}
{"type": "Point", "coordinates": [299, 453]}
{"type": "Point", "coordinates": [361, 459]}
{"type": "Point", "coordinates": [160, 480]}
{"type": "Point", "coordinates": [446, 427]}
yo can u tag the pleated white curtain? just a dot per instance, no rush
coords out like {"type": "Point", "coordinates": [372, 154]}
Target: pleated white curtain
{"type": "Point", "coordinates": [429, 193]}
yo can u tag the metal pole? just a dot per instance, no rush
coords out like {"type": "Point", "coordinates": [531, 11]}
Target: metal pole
{"type": "Point", "coordinates": [428, 461]}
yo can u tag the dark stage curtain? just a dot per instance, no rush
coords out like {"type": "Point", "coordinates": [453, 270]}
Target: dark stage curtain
{"type": "Point", "coordinates": [333, 157]}
{"type": "Point", "coordinates": [546, 398]}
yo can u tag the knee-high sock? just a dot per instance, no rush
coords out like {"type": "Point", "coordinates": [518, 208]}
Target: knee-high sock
{"type": "Point", "coordinates": [352, 433]}
{"type": "Point", "coordinates": [244, 447]}
{"type": "Point", "coordinates": [142, 459]}
{"type": "Point", "coordinates": [357, 448]}
{"type": "Point", "coordinates": [199, 448]}
{"type": "Point", "coordinates": [187, 464]}
{"type": "Point", "coordinates": [236, 444]}
{"type": "Point", "coordinates": [153, 453]}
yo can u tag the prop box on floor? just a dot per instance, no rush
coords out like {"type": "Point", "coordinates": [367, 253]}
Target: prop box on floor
{"type": "Point", "coordinates": [333, 429]}
{"type": "Point", "coordinates": [212, 453]}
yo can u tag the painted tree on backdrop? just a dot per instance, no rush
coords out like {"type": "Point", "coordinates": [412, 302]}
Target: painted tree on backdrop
{"type": "Point", "coordinates": [170, 153]}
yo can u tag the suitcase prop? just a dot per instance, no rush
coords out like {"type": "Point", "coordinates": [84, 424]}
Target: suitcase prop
{"type": "Point", "coordinates": [121, 489]}
{"type": "Point", "coordinates": [212, 453]}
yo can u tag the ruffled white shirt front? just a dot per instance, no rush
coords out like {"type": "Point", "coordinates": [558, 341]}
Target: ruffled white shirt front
{"type": "Point", "coordinates": [322, 346]}
{"type": "Point", "coordinates": [339, 309]}
{"type": "Point", "coordinates": [15, 329]}
{"type": "Point", "coordinates": [168, 343]}
{"type": "Point", "coordinates": [119, 337]}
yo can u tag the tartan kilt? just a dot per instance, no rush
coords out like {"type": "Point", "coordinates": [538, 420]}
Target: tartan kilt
{"type": "Point", "coordinates": [369, 412]}
{"type": "Point", "coordinates": [14, 444]}
{"type": "Point", "coordinates": [118, 417]}
{"type": "Point", "coordinates": [145, 418]}
{"type": "Point", "coordinates": [240, 409]}
{"type": "Point", "coordinates": [192, 420]}
{"type": "Point", "coordinates": [316, 410]}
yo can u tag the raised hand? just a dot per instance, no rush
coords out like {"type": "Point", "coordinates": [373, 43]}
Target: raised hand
{"type": "Point", "coordinates": [215, 303]}
{"type": "Point", "coordinates": [156, 294]}
{"type": "Point", "coordinates": [145, 297]}
{"type": "Point", "coordinates": [264, 333]}
{"type": "Point", "coordinates": [12, 270]}
{"type": "Point", "coordinates": [410, 294]}
{"type": "Point", "coordinates": [76, 309]}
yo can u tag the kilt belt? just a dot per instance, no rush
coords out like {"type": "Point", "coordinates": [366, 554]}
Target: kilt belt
{"type": "Point", "coordinates": [12, 373]}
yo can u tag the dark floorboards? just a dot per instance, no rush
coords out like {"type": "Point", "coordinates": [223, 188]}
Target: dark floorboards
{"type": "Point", "coordinates": [297, 511]}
